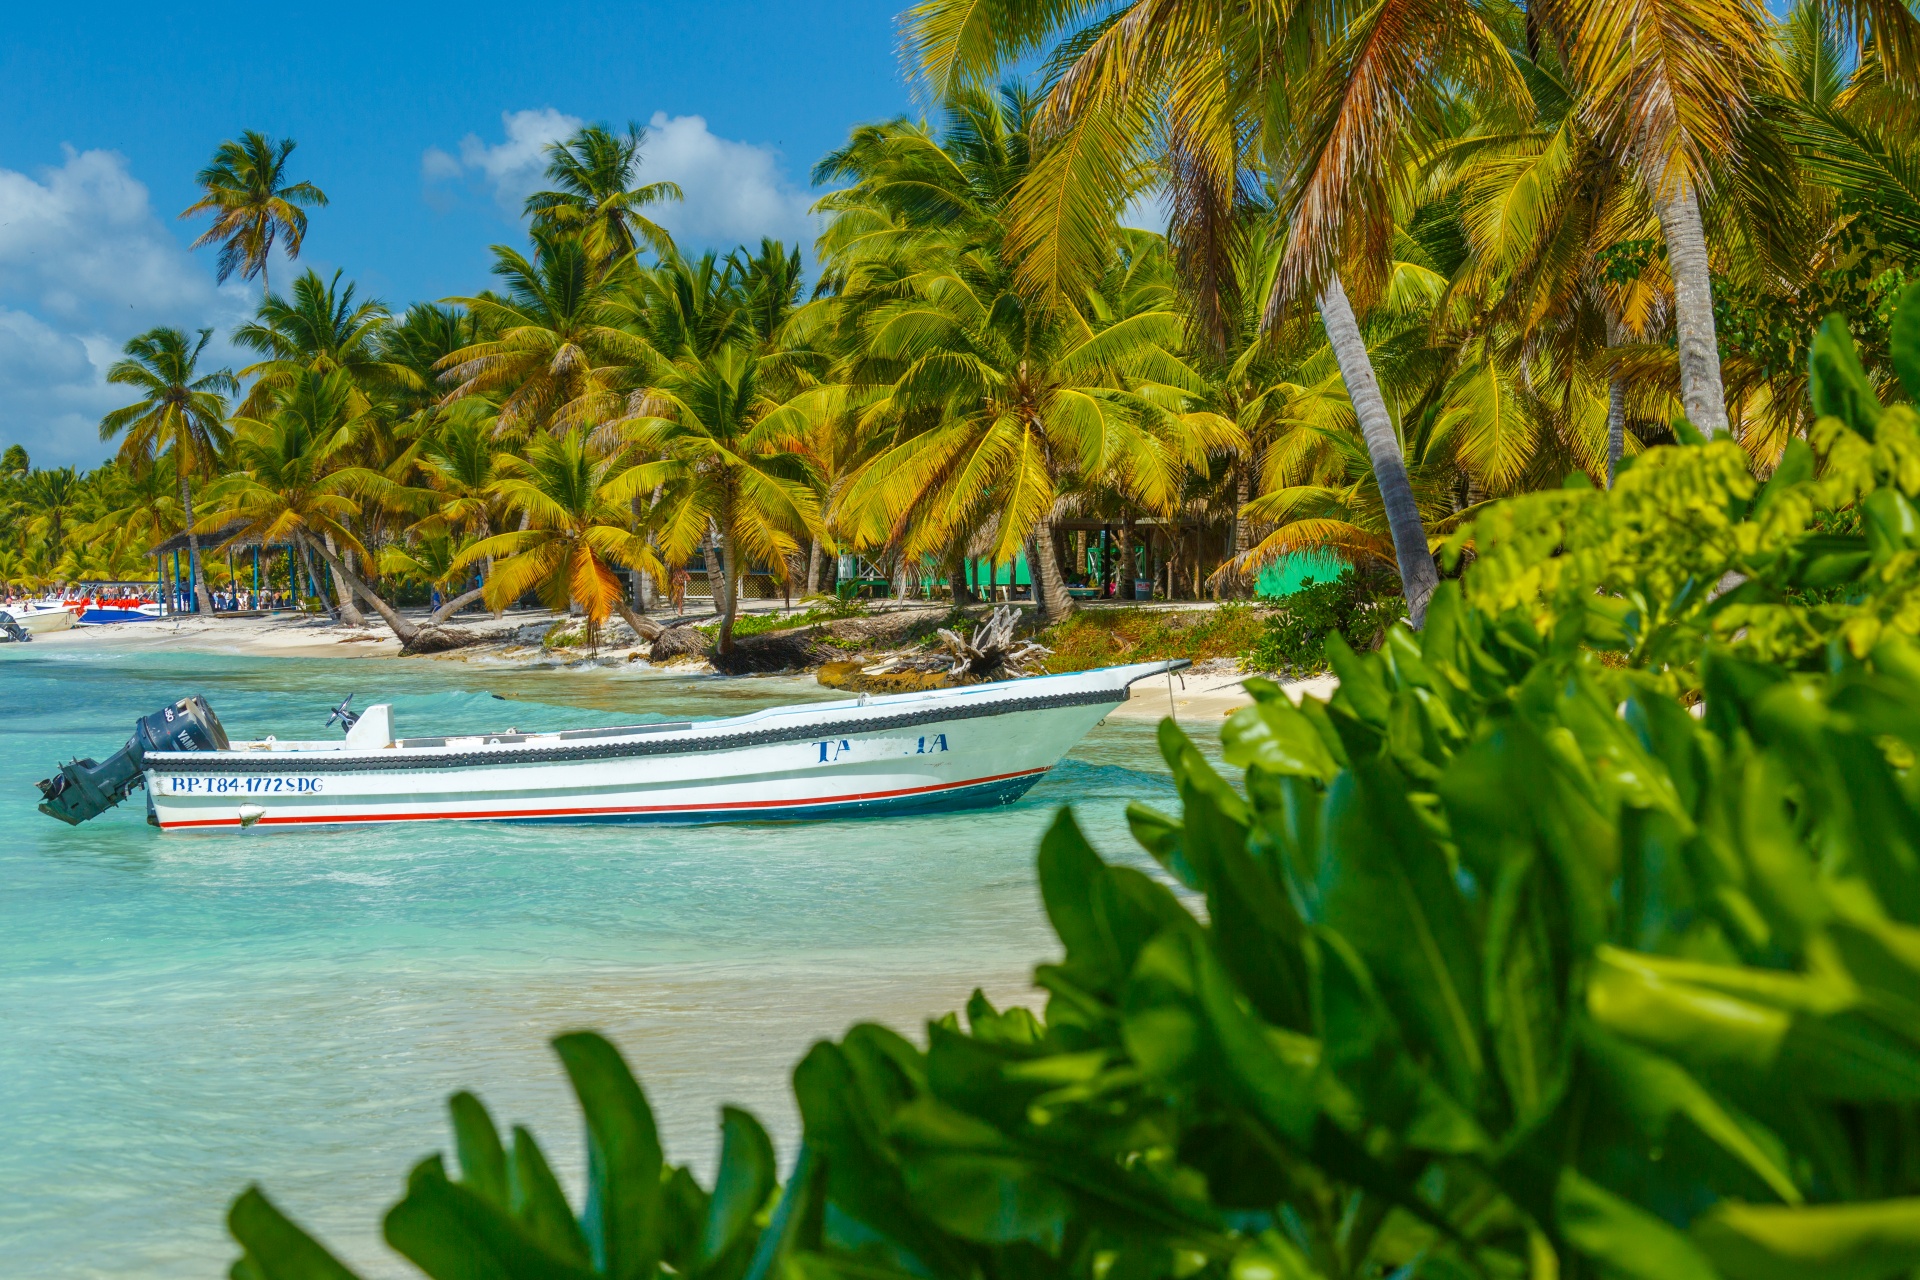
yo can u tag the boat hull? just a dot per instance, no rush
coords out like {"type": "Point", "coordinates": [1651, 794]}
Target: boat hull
{"type": "Point", "coordinates": [41, 621]}
{"type": "Point", "coordinates": [914, 753]}
{"type": "Point", "coordinates": [102, 615]}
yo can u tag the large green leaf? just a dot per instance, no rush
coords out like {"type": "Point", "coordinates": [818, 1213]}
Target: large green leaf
{"type": "Point", "coordinates": [275, 1246]}
{"type": "Point", "coordinates": [1837, 385]}
{"type": "Point", "coordinates": [1786, 1029]}
{"type": "Point", "coordinates": [1870, 1241]}
{"type": "Point", "coordinates": [1276, 736]}
{"type": "Point", "coordinates": [451, 1233]}
{"type": "Point", "coordinates": [622, 1215]}
{"type": "Point", "coordinates": [1903, 337]}
{"type": "Point", "coordinates": [1386, 887]}
{"type": "Point", "coordinates": [1624, 1241]}
{"type": "Point", "coordinates": [483, 1161]}
{"type": "Point", "coordinates": [538, 1203]}
{"type": "Point", "coordinates": [970, 1179]}
{"type": "Point", "coordinates": [741, 1187]}
{"type": "Point", "coordinates": [1104, 915]}
{"type": "Point", "coordinates": [1653, 1091]}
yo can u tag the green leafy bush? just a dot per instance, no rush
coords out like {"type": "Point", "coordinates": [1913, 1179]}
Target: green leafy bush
{"type": "Point", "coordinates": [1578, 935]}
{"type": "Point", "coordinates": [1294, 640]}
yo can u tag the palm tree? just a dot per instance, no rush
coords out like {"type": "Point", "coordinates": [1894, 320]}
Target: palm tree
{"type": "Point", "coordinates": [252, 204]}
{"type": "Point", "coordinates": [53, 495]}
{"type": "Point", "coordinates": [141, 505]}
{"type": "Point", "coordinates": [1197, 95]}
{"type": "Point", "coordinates": [290, 483]}
{"type": "Point", "coordinates": [577, 527]}
{"type": "Point", "coordinates": [725, 419]}
{"type": "Point", "coordinates": [558, 350]}
{"type": "Point", "coordinates": [595, 172]}
{"type": "Point", "coordinates": [318, 329]}
{"type": "Point", "coordinates": [1667, 86]}
{"type": "Point", "coordinates": [181, 412]}
{"type": "Point", "coordinates": [461, 464]}
{"type": "Point", "coordinates": [1002, 402]}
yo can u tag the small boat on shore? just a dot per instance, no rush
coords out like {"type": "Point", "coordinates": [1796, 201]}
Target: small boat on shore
{"type": "Point", "coordinates": [100, 611]}
{"type": "Point", "coordinates": [941, 749]}
{"type": "Point", "coordinates": [35, 619]}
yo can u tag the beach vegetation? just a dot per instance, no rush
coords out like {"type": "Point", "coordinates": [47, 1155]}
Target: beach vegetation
{"type": "Point", "coordinates": [1150, 293]}
{"type": "Point", "coordinates": [1577, 934]}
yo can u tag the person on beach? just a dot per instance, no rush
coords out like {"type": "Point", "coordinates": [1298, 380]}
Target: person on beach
{"type": "Point", "coordinates": [679, 590]}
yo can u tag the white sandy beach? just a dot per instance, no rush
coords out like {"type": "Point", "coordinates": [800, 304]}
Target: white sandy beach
{"type": "Point", "coordinates": [1198, 695]}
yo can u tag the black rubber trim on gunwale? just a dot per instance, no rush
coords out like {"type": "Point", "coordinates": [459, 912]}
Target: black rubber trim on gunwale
{"type": "Point", "coordinates": [405, 761]}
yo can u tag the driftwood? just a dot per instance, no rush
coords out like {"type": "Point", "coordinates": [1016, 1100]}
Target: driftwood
{"type": "Point", "coordinates": [992, 652]}
{"type": "Point", "coordinates": [794, 650]}
{"type": "Point", "coordinates": [433, 639]}
{"type": "Point", "coordinates": [679, 641]}
{"type": "Point", "coordinates": [885, 677]}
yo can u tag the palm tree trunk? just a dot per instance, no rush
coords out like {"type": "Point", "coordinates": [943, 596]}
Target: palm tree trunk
{"type": "Point", "coordinates": [201, 600]}
{"type": "Point", "coordinates": [716, 580]}
{"type": "Point", "coordinates": [450, 607]}
{"type": "Point", "coordinates": [1123, 588]}
{"type": "Point", "coordinates": [1050, 588]}
{"type": "Point", "coordinates": [645, 628]}
{"type": "Point", "coordinates": [813, 567]}
{"type": "Point", "coordinates": [342, 595]}
{"type": "Point", "coordinates": [957, 573]}
{"type": "Point", "coordinates": [403, 630]}
{"type": "Point", "coordinates": [725, 644]}
{"type": "Point", "coordinates": [1418, 576]}
{"type": "Point", "coordinates": [1616, 425]}
{"type": "Point", "coordinates": [1700, 387]}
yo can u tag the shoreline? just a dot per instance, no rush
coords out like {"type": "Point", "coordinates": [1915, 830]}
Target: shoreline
{"type": "Point", "coordinates": [1211, 691]}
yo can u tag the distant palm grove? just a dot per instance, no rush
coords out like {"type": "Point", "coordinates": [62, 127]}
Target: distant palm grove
{"type": "Point", "coordinates": [1420, 255]}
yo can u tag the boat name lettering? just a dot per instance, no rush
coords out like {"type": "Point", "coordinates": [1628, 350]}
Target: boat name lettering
{"type": "Point", "coordinates": [938, 742]}
{"type": "Point", "coordinates": [838, 749]}
{"type": "Point", "coordinates": [227, 784]}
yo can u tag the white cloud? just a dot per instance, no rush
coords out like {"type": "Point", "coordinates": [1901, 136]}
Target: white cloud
{"type": "Point", "coordinates": [512, 169]}
{"type": "Point", "coordinates": [84, 265]}
{"type": "Point", "coordinates": [735, 192]}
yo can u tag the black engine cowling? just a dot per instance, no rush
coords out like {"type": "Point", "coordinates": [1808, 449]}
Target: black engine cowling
{"type": "Point", "coordinates": [86, 788]}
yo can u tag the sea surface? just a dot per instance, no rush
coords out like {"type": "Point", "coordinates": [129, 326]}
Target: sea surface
{"type": "Point", "coordinates": [181, 1015]}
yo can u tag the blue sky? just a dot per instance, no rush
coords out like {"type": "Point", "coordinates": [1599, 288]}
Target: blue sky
{"type": "Point", "coordinates": [422, 123]}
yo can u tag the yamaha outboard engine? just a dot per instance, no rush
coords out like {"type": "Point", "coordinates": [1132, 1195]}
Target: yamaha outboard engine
{"type": "Point", "coordinates": [11, 628]}
{"type": "Point", "coordinates": [86, 789]}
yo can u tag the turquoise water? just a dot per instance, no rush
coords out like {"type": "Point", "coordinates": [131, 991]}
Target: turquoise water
{"type": "Point", "coordinates": [182, 1014]}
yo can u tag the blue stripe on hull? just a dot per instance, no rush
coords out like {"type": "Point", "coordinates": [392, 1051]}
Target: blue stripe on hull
{"type": "Point", "coordinates": [101, 617]}
{"type": "Point", "coordinates": [984, 795]}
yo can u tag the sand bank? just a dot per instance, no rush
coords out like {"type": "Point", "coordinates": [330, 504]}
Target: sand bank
{"type": "Point", "coordinates": [1210, 695]}
{"type": "Point", "coordinates": [1211, 692]}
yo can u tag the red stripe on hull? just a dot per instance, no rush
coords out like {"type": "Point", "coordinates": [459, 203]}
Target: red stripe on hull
{"type": "Point", "coordinates": [719, 807]}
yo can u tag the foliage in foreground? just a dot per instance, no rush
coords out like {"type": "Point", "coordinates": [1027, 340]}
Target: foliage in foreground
{"type": "Point", "coordinates": [1510, 963]}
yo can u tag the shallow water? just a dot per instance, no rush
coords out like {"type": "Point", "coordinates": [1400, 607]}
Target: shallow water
{"type": "Point", "coordinates": [180, 1015]}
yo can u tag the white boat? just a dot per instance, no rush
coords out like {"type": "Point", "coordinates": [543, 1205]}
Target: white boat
{"type": "Point", "coordinates": [100, 613]}
{"type": "Point", "coordinates": [35, 618]}
{"type": "Point", "coordinates": [972, 746]}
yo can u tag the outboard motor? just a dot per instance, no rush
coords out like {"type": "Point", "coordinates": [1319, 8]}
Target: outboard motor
{"type": "Point", "coordinates": [86, 789]}
{"type": "Point", "coordinates": [11, 629]}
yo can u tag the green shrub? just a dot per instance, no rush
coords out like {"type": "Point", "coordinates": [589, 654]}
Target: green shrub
{"type": "Point", "coordinates": [1578, 935]}
{"type": "Point", "coordinates": [1294, 639]}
